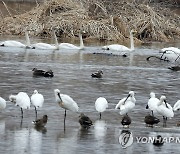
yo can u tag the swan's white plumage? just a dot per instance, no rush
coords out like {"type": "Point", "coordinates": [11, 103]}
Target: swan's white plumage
{"type": "Point", "coordinates": [46, 46]}
{"type": "Point", "coordinates": [12, 43]}
{"type": "Point", "coordinates": [2, 103]}
{"type": "Point", "coordinates": [37, 99]}
{"type": "Point", "coordinates": [176, 106]}
{"type": "Point", "coordinates": [66, 101]}
{"type": "Point", "coordinates": [21, 99]}
{"type": "Point", "coordinates": [126, 104]}
{"type": "Point", "coordinates": [171, 53]}
{"type": "Point", "coordinates": [163, 110]}
{"type": "Point", "coordinates": [101, 104]}
{"type": "Point", "coordinates": [118, 47]}
{"type": "Point", "coordinates": [72, 46]}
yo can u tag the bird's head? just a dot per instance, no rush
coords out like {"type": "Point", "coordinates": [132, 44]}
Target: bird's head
{"type": "Point", "coordinates": [34, 69]}
{"type": "Point", "coordinates": [12, 98]}
{"type": "Point", "coordinates": [35, 92]}
{"type": "Point", "coordinates": [152, 95]}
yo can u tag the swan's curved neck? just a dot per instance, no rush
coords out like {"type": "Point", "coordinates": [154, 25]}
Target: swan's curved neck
{"type": "Point", "coordinates": [81, 41]}
{"type": "Point", "coordinates": [131, 40]}
{"type": "Point", "coordinates": [55, 38]}
{"type": "Point", "coordinates": [28, 43]}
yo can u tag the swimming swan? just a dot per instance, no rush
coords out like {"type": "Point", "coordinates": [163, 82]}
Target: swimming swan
{"type": "Point", "coordinates": [13, 43]}
{"type": "Point", "coordinates": [46, 46]}
{"type": "Point", "coordinates": [71, 46]}
{"type": "Point", "coordinates": [119, 47]}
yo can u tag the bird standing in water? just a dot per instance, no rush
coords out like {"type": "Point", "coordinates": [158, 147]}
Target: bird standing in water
{"type": "Point", "coordinates": [66, 102]}
{"type": "Point", "coordinates": [85, 121]}
{"type": "Point", "coordinates": [101, 105]}
{"type": "Point", "coordinates": [151, 120]}
{"type": "Point", "coordinates": [126, 120]}
{"type": "Point", "coordinates": [41, 122]}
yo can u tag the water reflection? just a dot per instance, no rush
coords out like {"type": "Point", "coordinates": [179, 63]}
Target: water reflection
{"type": "Point", "coordinates": [21, 138]}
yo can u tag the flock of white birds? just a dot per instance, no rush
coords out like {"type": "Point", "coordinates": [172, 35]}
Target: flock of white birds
{"type": "Point", "coordinates": [125, 105]}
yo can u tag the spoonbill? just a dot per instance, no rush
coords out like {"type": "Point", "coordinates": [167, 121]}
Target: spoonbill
{"type": "Point", "coordinates": [66, 102]}
{"type": "Point", "coordinates": [22, 100]}
{"type": "Point", "coordinates": [165, 109]}
{"type": "Point", "coordinates": [126, 104]}
{"type": "Point", "coordinates": [152, 103]}
{"type": "Point", "coordinates": [101, 105]}
{"type": "Point", "coordinates": [37, 100]}
{"type": "Point", "coordinates": [85, 121]}
{"type": "Point", "coordinates": [2, 103]}
{"type": "Point", "coordinates": [176, 106]}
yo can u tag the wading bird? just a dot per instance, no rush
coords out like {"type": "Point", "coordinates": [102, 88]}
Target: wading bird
{"type": "Point", "coordinates": [37, 100]}
{"type": "Point", "coordinates": [126, 104]}
{"type": "Point", "coordinates": [22, 100]}
{"type": "Point", "coordinates": [2, 103]}
{"type": "Point", "coordinates": [164, 109]}
{"type": "Point", "coordinates": [101, 105]}
{"type": "Point", "coordinates": [152, 103]}
{"type": "Point", "coordinates": [66, 102]}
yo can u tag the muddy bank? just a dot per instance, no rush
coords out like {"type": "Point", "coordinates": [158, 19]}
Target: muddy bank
{"type": "Point", "coordinates": [101, 20]}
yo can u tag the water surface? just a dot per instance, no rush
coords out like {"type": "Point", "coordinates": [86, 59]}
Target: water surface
{"type": "Point", "coordinates": [72, 70]}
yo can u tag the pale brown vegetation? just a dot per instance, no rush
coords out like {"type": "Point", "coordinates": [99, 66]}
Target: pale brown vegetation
{"type": "Point", "coordinates": [100, 19]}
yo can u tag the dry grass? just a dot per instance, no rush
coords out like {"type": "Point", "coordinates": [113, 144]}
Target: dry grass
{"type": "Point", "coordinates": [94, 17]}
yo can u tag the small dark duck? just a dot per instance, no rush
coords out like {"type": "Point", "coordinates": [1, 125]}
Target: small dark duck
{"type": "Point", "coordinates": [126, 120]}
{"type": "Point", "coordinates": [41, 122]}
{"type": "Point", "coordinates": [151, 120]}
{"type": "Point", "coordinates": [85, 121]}
{"type": "Point", "coordinates": [97, 74]}
{"type": "Point", "coordinates": [174, 68]}
{"type": "Point", "coordinates": [158, 141]}
{"type": "Point", "coordinates": [43, 73]}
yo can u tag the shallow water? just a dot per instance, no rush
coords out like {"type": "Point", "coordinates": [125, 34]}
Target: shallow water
{"type": "Point", "coordinates": [72, 70]}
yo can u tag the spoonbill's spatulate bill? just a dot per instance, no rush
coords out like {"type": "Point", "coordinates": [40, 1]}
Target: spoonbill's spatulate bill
{"type": "Point", "coordinates": [165, 109]}
{"type": "Point", "coordinates": [126, 104]}
{"type": "Point", "coordinates": [66, 102]}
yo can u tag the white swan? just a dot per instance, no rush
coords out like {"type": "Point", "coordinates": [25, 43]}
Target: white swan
{"type": "Point", "coordinates": [118, 47]}
{"type": "Point", "coordinates": [72, 46]}
{"type": "Point", "coordinates": [170, 53]}
{"type": "Point", "coordinates": [46, 46]}
{"type": "Point", "coordinates": [13, 43]}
